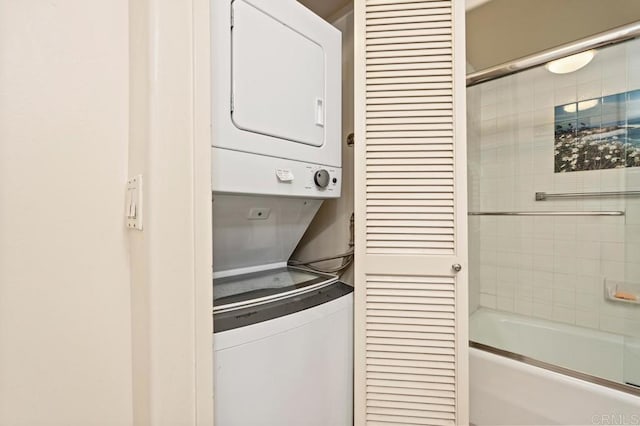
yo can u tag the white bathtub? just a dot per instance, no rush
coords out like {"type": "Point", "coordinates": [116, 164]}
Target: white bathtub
{"type": "Point", "coordinates": [508, 392]}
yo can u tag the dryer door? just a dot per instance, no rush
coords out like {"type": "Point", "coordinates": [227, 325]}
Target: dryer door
{"type": "Point", "coordinates": [278, 78]}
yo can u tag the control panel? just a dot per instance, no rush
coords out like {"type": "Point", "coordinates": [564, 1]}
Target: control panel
{"type": "Point", "coordinates": [270, 176]}
{"type": "Point", "coordinates": [323, 179]}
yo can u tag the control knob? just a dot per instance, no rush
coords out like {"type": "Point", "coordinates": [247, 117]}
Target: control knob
{"type": "Point", "coordinates": [321, 178]}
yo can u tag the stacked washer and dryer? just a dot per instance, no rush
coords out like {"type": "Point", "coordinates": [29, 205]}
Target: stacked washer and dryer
{"type": "Point", "coordinates": [282, 335]}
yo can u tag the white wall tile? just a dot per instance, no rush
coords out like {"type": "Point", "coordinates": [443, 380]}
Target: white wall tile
{"type": "Point", "coordinates": [564, 296]}
{"type": "Point", "coordinates": [613, 270]}
{"type": "Point", "coordinates": [587, 300]}
{"type": "Point", "coordinates": [619, 310]}
{"type": "Point", "coordinates": [565, 228]}
{"type": "Point", "coordinates": [505, 304]}
{"type": "Point", "coordinates": [612, 324]}
{"type": "Point", "coordinates": [488, 112]}
{"type": "Point", "coordinates": [543, 116]}
{"type": "Point", "coordinates": [590, 90]}
{"type": "Point", "coordinates": [614, 84]}
{"type": "Point", "coordinates": [543, 262]}
{"type": "Point", "coordinates": [565, 95]}
{"type": "Point", "coordinates": [612, 251]}
{"type": "Point", "coordinates": [632, 327]}
{"type": "Point", "coordinates": [488, 287]}
{"type": "Point", "coordinates": [506, 290]}
{"type": "Point", "coordinates": [543, 246]}
{"type": "Point", "coordinates": [588, 232]}
{"type": "Point", "coordinates": [488, 301]}
{"type": "Point", "coordinates": [585, 318]}
{"type": "Point", "coordinates": [564, 314]}
{"type": "Point", "coordinates": [543, 99]}
{"type": "Point", "coordinates": [592, 284]}
{"type": "Point", "coordinates": [592, 72]}
{"type": "Point", "coordinates": [588, 250]}
{"type": "Point", "coordinates": [525, 277]}
{"type": "Point", "coordinates": [564, 280]}
{"type": "Point", "coordinates": [613, 233]}
{"type": "Point", "coordinates": [565, 264]}
{"type": "Point", "coordinates": [542, 279]}
{"type": "Point", "coordinates": [524, 292]}
{"type": "Point", "coordinates": [507, 275]}
{"type": "Point", "coordinates": [632, 269]}
{"type": "Point", "coordinates": [542, 295]}
{"type": "Point", "coordinates": [542, 310]}
{"type": "Point", "coordinates": [487, 94]}
{"type": "Point", "coordinates": [565, 248]}
{"type": "Point", "coordinates": [524, 306]}
{"type": "Point", "coordinates": [633, 212]}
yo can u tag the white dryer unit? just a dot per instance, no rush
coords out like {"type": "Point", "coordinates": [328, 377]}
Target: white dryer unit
{"type": "Point", "coordinates": [276, 113]}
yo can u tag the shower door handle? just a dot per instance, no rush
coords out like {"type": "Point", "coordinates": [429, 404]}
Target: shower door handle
{"type": "Point", "coordinates": [456, 267]}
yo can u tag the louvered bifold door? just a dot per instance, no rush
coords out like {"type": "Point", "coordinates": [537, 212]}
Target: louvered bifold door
{"type": "Point", "coordinates": [411, 234]}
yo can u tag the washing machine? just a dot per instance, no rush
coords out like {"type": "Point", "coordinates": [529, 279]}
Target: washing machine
{"type": "Point", "coordinates": [283, 342]}
{"type": "Point", "coordinates": [283, 349]}
{"type": "Point", "coordinates": [283, 336]}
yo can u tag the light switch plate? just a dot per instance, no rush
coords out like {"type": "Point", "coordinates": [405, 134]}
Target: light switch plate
{"type": "Point", "coordinates": [133, 207]}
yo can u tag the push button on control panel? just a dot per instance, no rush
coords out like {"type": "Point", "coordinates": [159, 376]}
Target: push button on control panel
{"type": "Point", "coordinates": [284, 175]}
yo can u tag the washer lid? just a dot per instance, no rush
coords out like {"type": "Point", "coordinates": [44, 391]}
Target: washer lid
{"type": "Point", "coordinates": [278, 77]}
{"type": "Point", "coordinates": [255, 288]}
{"type": "Point", "coordinates": [242, 317]}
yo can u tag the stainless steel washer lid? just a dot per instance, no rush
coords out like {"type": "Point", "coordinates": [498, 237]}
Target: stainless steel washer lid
{"type": "Point", "coordinates": [239, 291]}
{"type": "Point", "coordinates": [241, 317]}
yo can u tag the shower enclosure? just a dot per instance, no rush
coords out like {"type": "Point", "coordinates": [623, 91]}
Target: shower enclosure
{"type": "Point", "coordinates": [554, 210]}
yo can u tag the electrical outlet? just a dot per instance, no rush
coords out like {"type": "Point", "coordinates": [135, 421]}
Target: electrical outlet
{"type": "Point", "coordinates": [259, 213]}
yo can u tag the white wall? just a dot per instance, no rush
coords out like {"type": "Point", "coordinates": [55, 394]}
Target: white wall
{"type": "Point", "coordinates": [65, 326]}
{"type": "Point", "coordinates": [170, 145]}
{"type": "Point", "coordinates": [329, 232]}
{"type": "Point", "coordinates": [551, 267]}
{"type": "Point", "coordinates": [100, 325]}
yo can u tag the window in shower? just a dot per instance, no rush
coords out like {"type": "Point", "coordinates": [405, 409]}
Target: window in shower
{"type": "Point", "coordinates": [555, 237]}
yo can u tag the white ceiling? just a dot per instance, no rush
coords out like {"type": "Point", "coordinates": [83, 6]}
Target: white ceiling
{"type": "Point", "coordinates": [328, 8]}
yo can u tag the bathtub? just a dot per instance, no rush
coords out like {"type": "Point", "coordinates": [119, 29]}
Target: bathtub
{"type": "Point", "coordinates": [505, 391]}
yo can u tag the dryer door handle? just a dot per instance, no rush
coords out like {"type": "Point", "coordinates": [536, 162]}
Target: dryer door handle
{"type": "Point", "coordinates": [320, 112]}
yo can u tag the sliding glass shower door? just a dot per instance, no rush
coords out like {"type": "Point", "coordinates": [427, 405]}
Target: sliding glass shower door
{"type": "Point", "coordinates": [554, 225]}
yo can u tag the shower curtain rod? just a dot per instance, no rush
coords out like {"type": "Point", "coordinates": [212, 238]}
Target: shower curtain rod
{"type": "Point", "coordinates": [614, 36]}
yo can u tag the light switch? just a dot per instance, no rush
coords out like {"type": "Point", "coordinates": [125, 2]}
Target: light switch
{"type": "Point", "coordinates": [133, 207]}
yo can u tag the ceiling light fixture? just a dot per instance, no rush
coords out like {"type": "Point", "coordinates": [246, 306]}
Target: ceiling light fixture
{"type": "Point", "coordinates": [570, 63]}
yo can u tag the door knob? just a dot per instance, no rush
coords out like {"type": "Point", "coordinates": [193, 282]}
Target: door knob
{"type": "Point", "coordinates": [456, 267]}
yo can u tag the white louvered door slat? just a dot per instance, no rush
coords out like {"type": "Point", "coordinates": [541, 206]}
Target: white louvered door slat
{"type": "Point", "coordinates": [411, 313]}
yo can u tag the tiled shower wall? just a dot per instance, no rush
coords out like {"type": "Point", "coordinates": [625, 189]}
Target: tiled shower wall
{"type": "Point", "coordinates": [550, 267]}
